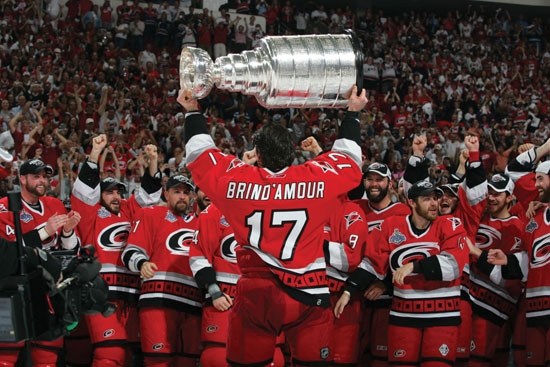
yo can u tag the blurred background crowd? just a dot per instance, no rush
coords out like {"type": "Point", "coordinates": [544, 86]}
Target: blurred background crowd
{"type": "Point", "coordinates": [71, 70]}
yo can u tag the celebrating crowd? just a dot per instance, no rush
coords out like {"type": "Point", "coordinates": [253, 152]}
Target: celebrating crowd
{"type": "Point", "coordinates": [432, 252]}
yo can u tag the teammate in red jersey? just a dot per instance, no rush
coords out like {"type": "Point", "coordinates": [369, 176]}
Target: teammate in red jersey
{"type": "Point", "coordinates": [537, 230]}
{"type": "Point", "coordinates": [277, 212]}
{"type": "Point", "coordinates": [346, 234]}
{"type": "Point", "coordinates": [378, 207]}
{"type": "Point", "coordinates": [214, 263]}
{"type": "Point", "coordinates": [465, 200]}
{"type": "Point", "coordinates": [426, 254]}
{"type": "Point", "coordinates": [494, 298]}
{"type": "Point", "coordinates": [170, 300]}
{"type": "Point", "coordinates": [106, 228]}
{"type": "Point", "coordinates": [56, 229]}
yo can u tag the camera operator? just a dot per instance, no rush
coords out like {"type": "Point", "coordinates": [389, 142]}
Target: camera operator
{"type": "Point", "coordinates": [55, 228]}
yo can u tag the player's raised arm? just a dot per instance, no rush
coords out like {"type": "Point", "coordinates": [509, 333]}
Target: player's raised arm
{"type": "Point", "coordinates": [197, 138]}
{"type": "Point", "coordinates": [349, 136]}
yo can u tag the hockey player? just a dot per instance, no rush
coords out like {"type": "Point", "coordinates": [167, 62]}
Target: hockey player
{"type": "Point", "coordinates": [346, 234]}
{"type": "Point", "coordinates": [465, 200]}
{"type": "Point", "coordinates": [56, 229]}
{"type": "Point", "coordinates": [426, 254]}
{"type": "Point", "coordinates": [492, 297]}
{"type": "Point", "coordinates": [277, 212]}
{"type": "Point", "coordinates": [170, 301]}
{"type": "Point", "coordinates": [537, 230]}
{"type": "Point", "coordinates": [378, 206]}
{"type": "Point", "coordinates": [106, 228]}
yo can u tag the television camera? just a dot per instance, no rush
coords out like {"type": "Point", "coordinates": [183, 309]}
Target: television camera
{"type": "Point", "coordinates": [33, 305]}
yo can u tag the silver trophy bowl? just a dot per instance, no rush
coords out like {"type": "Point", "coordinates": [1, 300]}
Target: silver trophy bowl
{"type": "Point", "coordinates": [284, 71]}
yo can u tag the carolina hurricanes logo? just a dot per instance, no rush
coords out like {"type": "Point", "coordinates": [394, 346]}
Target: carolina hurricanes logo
{"type": "Point", "coordinates": [114, 237]}
{"type": "Point", "coordinates": [234, 164]}
{"type": "Point", "coordinates": [486, 236]}
{"type": "Point", "coordinates": [409, 253]}
{"type": "Point", "coordinates": [352, 218]}
{"type": "Point", "coordinates": [455, 221]}
{"type": "Point", "coordinates": [158, 346]}
{"type": "Point", "coordinates": [228, 247]}
{"type": "Point", "coordinates": [541, 251]}
{"type": "Point", "coordinates": [375, 224]}
{"type": "Point", "coordinates": [178, 242]}
{"type": "Point", "coordinates": [517, 244]}
{"type": "Point", "coordinates": [211, 329]}
{"type": "Point", "coordinates": [108, 333]}
{"type": "Point", "coordinates": [3, 208]}
{"type": "Point", "coordinates": [325, 166]}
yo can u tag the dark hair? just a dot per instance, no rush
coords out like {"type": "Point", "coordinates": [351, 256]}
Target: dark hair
{"type": "Point", "coordinates": [274, 145]}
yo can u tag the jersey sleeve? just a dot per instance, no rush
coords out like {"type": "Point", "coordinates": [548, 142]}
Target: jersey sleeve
{"type": "Point", "coordinates": [453, 254]}
{"type": "Point", "coordinates": [417, 170]}
{"type": "Point", "coordinates": [374, 264]}
{"type": "Point", "coordinates": [345, 250]}
{"type": "Point", "coordinates": [521, 172]}
{"type": "Point", "coordinates": [86, 188]}
{"type": "Point", "coordinates": [201, 255]}
{"type": "Point", "coordinates": [475, 183]}
{"type": "Point", "coordinates": [140, 241]}
{"type": "Point", "coordinates": [150, 190]}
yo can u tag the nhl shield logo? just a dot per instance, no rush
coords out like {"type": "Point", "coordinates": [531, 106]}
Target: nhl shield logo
{"type": "Point", "coordinates": [444, 350]}
{"type": "Point", "coordinates": [324, 353]}
{"type": "Point", "coordinates": [397, 237]}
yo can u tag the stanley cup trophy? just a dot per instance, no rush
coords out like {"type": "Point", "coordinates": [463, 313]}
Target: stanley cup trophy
{"type": "Point", "coordinates": [284, 71]}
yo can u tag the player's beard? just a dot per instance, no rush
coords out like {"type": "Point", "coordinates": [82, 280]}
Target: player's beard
{"type": "Point", "coordinates": [38, 190]}
{"type": "Point", "coordinates": [545, 195]}
{"type": "Point", "coordinates": [376, 198]}
{"type": "Point", "coordinates": [494, 208]}
{"type": "Point", "coordinates": [427, 214]}
{"type": "Point", "coordinates": [180, 207]}
{"type": "Point", "coordinates": [113, 206]}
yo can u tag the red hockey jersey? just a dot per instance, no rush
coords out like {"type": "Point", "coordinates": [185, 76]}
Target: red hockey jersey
{"type": "Point", "coordinates": [346, 235]}
{"type": "Point", "coordinates": [537, 294]}
{"type": "Point", "coordinates": [375, 219]}
{"type": "Point", "coordinates": [108, 232]}
{"type": "Point", "coordinates": [431, 298]}
{"type": "Point", "coordinates": [492, 296]}
{"type": "Point", "coordinates": [279, 216]}
{"type": "Point", "coordinates": [36, 218]}
{"type": "Point", "coordinates": [216, 249]}
{"type": "Point", "coordinates": [164, 238]}
{"type": "Point", "coordinates": [537, 241]}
